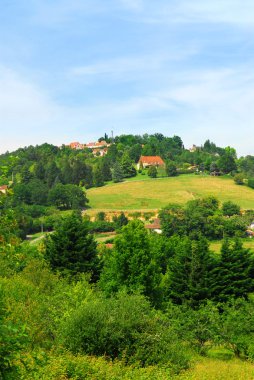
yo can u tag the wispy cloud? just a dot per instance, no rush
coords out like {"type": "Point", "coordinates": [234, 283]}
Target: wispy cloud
{"type": "Point", "coordinates": [140, 64]}
{"type": "Point", "coordinates": [134, 5]}
{"type": "Point", "coordinates": [215, 104]}
{"type": "Point", "coordinates": [198, 11]}
{"type": "Point", "coordinates": [55, 13]}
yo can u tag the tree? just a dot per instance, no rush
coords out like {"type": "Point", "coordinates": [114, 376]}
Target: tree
{"type": "Point", "coordinates": [189, 272]}
{"type": "Point", "coordinates": [38, 192]}
{"type": "Point", "coordinates": [52, 173]}
{"type": "Point", "coordinates": [117, 172]}
{"type": "Point", "coordinates": [132, 264]}
{"type": "Point", "coordinates": [98, 176]}
{"type": "Point", "coordinates": [71, 249]}
{"type": "Point", "coordinates": [171, 169]}
{"type": "Point", "coordinates": [251, 183]}
{"type": "Point", "coordinates": [233, 274]}
{"type": "Point", "coordinates": [12, 339]}
{"type": "Point", "coordinates": [127, 166]}
{"type": "Point", "coordinates": [239, 179]}
{"type": "Point", "coordinates": [67, 196]}
{"type": "Point", "coordinates": [229, 208]}
{"type": "Point", "coordinates": [120, 220]}
{"type": "Point", "coordinates": [152, 172]}
{"type": "Point", "coordinates": [172, 220]}
{"type": "Point", "coordinates": [227, 162]}
{"type": "Point", "coordinates": [105, 169]}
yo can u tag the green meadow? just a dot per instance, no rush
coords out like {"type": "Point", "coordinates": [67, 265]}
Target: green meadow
{"type": "Point", "coordinates": [143, 193]}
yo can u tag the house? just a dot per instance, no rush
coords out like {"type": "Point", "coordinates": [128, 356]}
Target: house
{"type": "Point", "coordinates": [155, 226]}
{"type": "Point", "coordinates": [147, 161]}
{"type": "Point", "coordinates": [97, 145]}
{"type": "Point", "coordinates": [76, 145]}
{"type": "Point", "coordinates": [193, 148]}
{"type": "Point", "coordinates": [100, 152]}
{"type": "Point", "coordinates": [3, 189]}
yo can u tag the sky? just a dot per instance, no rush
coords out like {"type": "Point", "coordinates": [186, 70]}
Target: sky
{"type": "Point", "coordinates": [73, 70]}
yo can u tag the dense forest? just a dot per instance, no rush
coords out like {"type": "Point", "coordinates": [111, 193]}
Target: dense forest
{"type": "Point", "coordinates": [145, 309]}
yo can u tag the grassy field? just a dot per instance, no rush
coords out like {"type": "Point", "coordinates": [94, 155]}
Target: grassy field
{"type": "Point", "coordinates": [143, 193]}
{"type": "Point", "coordinates": [214, 369]}
{"type": "Point", "coordinates": [215, 246]}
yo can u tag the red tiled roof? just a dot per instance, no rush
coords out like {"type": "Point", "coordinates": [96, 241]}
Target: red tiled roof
{"type": "Point", "coordinates": [151, 160]}
{"type": "Point", "coordinates": [156, 225]}
{"type": "Point", "coordinates": [109, 245]}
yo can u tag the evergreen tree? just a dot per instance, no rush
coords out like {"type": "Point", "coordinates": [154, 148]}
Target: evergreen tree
{"type": "Point", "coordinates": [105, 169]}
{"type": "Point", "coordinates": [98, 176]}
{"type": "Point", "coordinates": [189, 278]}
{"type": "Point", "coordinates": [71, 249]}
{"type": "Point", "coordinates": [117, 172]}
{"type": "Point", "coordinates": [52, 173]}
{"type": "Point", "coordinates": [128, 168]}
{"type": "Point", "coordinates": [233, 275]}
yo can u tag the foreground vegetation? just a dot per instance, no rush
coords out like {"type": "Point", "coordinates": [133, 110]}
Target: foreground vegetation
{"type": "Point", "coordinates": [155, 307]}
{"type": "Point", "coordinates": [173, 306]}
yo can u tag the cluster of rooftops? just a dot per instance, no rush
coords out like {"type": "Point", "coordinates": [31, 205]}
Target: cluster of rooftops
{"type": "Point", "coordinates": [100, 148]}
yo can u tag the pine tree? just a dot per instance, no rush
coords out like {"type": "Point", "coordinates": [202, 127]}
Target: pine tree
{"type": "Point", "coordinates": [189, 278]}
{"type": "Point", "coordinates": [117, 172]}
{"type": "Point", "coordinates": [71, 249]}
{"type": "Point", "coordinates": [233, 275]}
{"type": "Point", "coordinates": [127, 166]}
{"type": "Point", "coordinates": [98, 176]}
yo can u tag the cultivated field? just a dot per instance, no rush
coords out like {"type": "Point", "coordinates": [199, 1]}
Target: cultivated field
{"type": "Point", "coordinates": [151, 194]}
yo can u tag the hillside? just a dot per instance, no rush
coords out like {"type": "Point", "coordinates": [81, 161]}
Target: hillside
{"type": "Point", "coordinates": [150, 194]}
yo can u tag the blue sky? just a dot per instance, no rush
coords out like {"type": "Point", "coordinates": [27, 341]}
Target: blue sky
{"type": "Point", "coordinates": [73, 70]}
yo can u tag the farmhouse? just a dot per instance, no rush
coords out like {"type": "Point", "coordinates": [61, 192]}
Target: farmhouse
{"type": "Point", "coordinates": [147, 161]}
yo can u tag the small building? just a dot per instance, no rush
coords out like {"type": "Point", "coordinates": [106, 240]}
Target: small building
{"type": "Point", "coordinates": [76, 145]}
{"type": "Point", "coordinates": [147, 161]}
{"type": "Point", "coordinates": [193, 148]}
{"type": "Point", "coordinates": [155, 226]}
{"type": "Point", "coordinates": [3, 189]}
{"type": "Point", "coordinates": [100, 152]}
{"type": "Point", "coordinates": [97, 145]}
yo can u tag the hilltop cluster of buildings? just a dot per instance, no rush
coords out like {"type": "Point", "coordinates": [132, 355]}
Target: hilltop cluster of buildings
{"type": "Point", "coordinates": [99, 148]}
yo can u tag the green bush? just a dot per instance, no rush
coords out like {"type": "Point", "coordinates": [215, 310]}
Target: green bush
{"type": "Point", "coordinates": [124, 328]}
{"type": "Point", "coordinates": [251, 182]}
{"type": "Point", "coordinates": [80, 367]}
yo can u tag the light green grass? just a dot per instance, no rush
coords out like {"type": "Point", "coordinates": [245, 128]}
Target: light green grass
{"type": "Point", "coordinates": [214, 369]}
{"type": "Point", "coordinates": [102, 237]}
{"type": "Point", "coordinates": [150, 194]}
{"type": "Point", "coordinates": [215, 246]}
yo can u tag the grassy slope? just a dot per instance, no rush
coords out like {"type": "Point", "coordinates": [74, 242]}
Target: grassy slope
{"type": "Point", "coordinates": [216, 245]}
{"type": "Point", "coordinates": [149, 194]}
{"type": "Point", "coordinates": [214, 369]}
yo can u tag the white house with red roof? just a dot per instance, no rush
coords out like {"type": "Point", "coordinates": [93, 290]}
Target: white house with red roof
{"type": "Point", "coordinates": [147, 161]}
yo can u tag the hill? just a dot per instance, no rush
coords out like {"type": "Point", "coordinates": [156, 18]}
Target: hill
{"type": "Point", "coordinates": [151, 194]}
